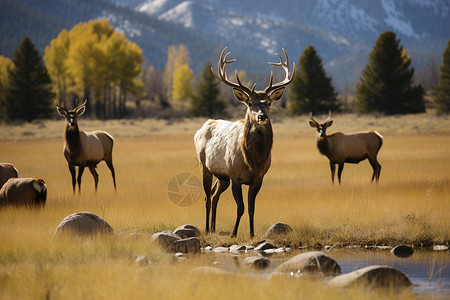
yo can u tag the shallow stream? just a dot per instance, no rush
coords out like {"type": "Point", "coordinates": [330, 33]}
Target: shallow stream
{"type": "Point", "coordinates": [429, 271]}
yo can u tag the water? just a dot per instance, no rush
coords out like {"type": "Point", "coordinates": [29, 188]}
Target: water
{"type": "Point", "coordinates": [429, 271]}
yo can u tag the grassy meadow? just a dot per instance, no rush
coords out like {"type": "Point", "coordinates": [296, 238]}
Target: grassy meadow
{"type": "Point", "coordinates": [410, 205]}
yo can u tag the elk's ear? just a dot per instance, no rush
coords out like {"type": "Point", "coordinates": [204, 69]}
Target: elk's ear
{"type": "Point", "coordinates": [240, 95]}
{"type": "Point", "coordinates": [61, 111]}
{"type": "Point", "coordinates": [329, 123]}
{"type": "Point", "coordinates": [80, 110]}
{"type": "Point", "coordinates": [313, 124]}
{"type": "Point", "coordinates": [277, 94]}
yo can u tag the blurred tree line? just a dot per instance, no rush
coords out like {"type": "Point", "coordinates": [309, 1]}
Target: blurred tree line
{"type": "Point", "coordinates": [94, 61]}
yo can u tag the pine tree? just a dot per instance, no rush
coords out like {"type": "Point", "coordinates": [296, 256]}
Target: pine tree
{"type": "Point", "coordinates": [205, 100]}
{"type": "Point", "coordinates": [29, 95]}
{"type": "Point", "coordinates": [386, 83]}
{"type": "Point", "coordinates": [311, 90]}
{"type": "Point", "coordinates": [443, 89]}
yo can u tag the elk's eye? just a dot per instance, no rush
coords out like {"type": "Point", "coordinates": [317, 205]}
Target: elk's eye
{"type": "Point", "coordinates": [250, 104]}
{"type": "Point", "coordinates": [270, 104]}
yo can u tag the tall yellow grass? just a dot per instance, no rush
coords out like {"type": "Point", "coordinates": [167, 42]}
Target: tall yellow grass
{"type": "Point", "coordinates": [409, 205]}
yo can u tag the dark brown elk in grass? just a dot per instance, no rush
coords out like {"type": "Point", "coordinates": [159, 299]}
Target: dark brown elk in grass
{"type": "Point", "coordinates": [240, 151]}
{"type": "Point", "coordinates": [23, 192]}
{"type": "Point", "coordinates": [351, 147]}
{"type": "Point", "coordinates": [85, 149]}
{"type": "Point", "coordinates": [7, 171]}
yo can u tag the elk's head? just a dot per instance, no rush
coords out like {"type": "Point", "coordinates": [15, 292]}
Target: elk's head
{"type": "Point", "coordinates": [321, 127]}
{"type": "Point", "coordinates": [258, 102]}
{"type": "Point", "coordinates": [72, 115]}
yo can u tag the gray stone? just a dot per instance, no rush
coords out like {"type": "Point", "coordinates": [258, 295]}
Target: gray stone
{"type": "Point", "coordinates": [83, 224]}
{"type": "Point", "coordinates": [314, 262]}
{"type": "Point", "coordinates": [165, 239]}
{"type": "Point", "coordinates": [278, 229]}
{"type": "Point", "coordinates": [187, 231]}
{"type": "Point", "coordinates": [264, 246]}
{"type": "Point", "coordinates": [237, 248]}
{"type": "Point", "coordinates": [257, 262]}
{"type": "Point", "coordinates": [440, 248]}
{"type": "Point", "coordinates": [402, 251]}
{"type": "Point", "coordinates": [189, 245]}
{"type": "Point", "coordinates": [372, 277]}
{"type": "Point", "coordinates": [221, 249]}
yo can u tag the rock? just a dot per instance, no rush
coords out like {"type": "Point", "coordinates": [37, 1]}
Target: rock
{"type": "Point", "coordinates": [187, 231]}
{"type": "Point", "coordinates": [402, 251]}
{"type": "Point", "coordinates": [372, 277]}
{"type": "Point", "coordinates": [220, 249]}
{"type": "Point", "coordinates": [165, 239]}
{"type": "Point", "coordinates": [257, 262]}
{"type": "Point", "coordinates": [440, 248]}
{"type": "Point", "coordinates": [314, 262]}
{"type": "Point", "coordinates": [278, 228]}
{"type": "Point", "coordinates": [83, 224]}
{"type": "Point", "coordinates": [141, 261]}
{"type": "Point", "coordinates": [237, 248]}
{"type": "Point", "coordinates": [189, 245]}
{"type": "Point", "coordinates": [264, 246]}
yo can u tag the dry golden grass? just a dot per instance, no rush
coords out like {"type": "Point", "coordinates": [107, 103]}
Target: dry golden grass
{"type": "Point", "coordinates": [410, 205]}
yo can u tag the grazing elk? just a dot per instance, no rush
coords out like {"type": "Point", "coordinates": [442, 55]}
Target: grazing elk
{"type": "Point", "coordinates": [7, 171]}
{"type": "Point", "coordinates": [23, 192]}
{"type": "Point", "coordinates": [240, 151]}
{"type": "Point", "coordinates": [85, 149]}
{"type": "Point", "coordinates": [350, 147]}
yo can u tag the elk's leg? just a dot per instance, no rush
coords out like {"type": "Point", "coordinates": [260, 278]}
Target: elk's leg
{"type": "Point", "coordinates": [376, 169]}
{"type": "Point", "coordinates": [207, 182]}
{"type": "Point", "coordinates": [95, 174]}
{"type": "Point", "coordinates": [252, 192]}
{"type": "Point", "coordinates": [333, 171]}
{"type": "Point", "coordinates": [219, 188]}
{"type": "Point", "coordinates": [72, 172]}
{"type": "Point", "coordinates": [237, 194]}
{"type": "Point", "coordinates": [80, 173]}
{"type": "Point", "coordinates": [111, 168]}
{"type": "Point", "coordinates": [340, 168]}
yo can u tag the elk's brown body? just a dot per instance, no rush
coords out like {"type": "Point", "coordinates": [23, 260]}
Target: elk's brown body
{"type": "Point", "coordinates": [23, 192]}
{"type": "Point", "coordinates": [85, 149]}
{"type": "Point", "coordinates": [7, 171]}
{"type": "Point", "coordinates": [352, 147]}
{"type": "Point", "coordinates": [240, 151]}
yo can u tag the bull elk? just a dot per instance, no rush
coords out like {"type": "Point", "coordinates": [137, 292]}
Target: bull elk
{"type": "Point", "coordinates": [240, 151]}
{"type": "Point", "coordinates": [352, 147]}
{"type": "Point", "coordinates": [85, 149]}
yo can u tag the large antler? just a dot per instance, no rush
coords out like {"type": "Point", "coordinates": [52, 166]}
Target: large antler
{"type": "Point", "coordinates": [312, 119]}
{"type": "Point", "coordinates": [285, 66]}
{"type": "Point", "coordinates": [223, 74]}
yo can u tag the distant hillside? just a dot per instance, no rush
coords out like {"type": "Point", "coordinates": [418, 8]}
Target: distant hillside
{"type": "Point", "coordinates": [42, 20]}
{"type": "Point", "coordinates": [342, 31]}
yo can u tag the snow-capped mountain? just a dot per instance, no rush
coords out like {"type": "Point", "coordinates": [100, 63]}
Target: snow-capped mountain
{"type": "Point", "coordinates": [341, 30]}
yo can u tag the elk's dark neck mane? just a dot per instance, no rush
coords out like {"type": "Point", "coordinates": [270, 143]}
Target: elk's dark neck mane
{"type": "Point", "coordinates": [256, 144]}
{"type": "Point", "coordinates": [72, 136]}
{"type": "Point", "coordinates": [322, 145]}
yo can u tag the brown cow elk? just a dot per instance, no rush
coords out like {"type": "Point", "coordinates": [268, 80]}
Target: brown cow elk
{"type": "Point", "coordinates": [23, 192]}
{"type": "Point", "coordinates": [240, 151]}
{"type": "Point", "coordinates": [85, 149]}
{"type": "Point", "coordinates": [7, 171]}
{"type": "Point", "coordinates": [352, 147]}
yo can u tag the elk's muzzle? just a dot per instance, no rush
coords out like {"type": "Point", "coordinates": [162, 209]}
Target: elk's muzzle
{"type": "Point", "coordinates": [262, 118]}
